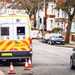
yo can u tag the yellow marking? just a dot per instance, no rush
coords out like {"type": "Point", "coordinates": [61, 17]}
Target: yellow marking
{"type": "Point", "coordinates": [6, 54]}
{"type": "Point", "coordinates": [6, 44]}
{"type": "Point", "coordinates": [1, 42]}
{"type": "Point", "coordinates": [23, 49]}
{"type": "Point", "coordinates": [27, 42]}
{"type": "Point", "coordinates": [17, 48]}
{"type": "Point", "coordinates": [10, 46]}
{"type": "Point", "coordinates": [3, 45]}
{"type": "Point", "coordinates": [19, 45]}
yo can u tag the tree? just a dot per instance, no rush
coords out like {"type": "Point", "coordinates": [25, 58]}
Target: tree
{"type": "Point", "coordinates": [57, 30]}
{"type": "Point", "coordinates": [30, 5]}
{"type": "Point", "coordinates": [68, 6]}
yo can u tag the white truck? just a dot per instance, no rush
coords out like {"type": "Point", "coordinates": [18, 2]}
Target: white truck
{"type": "Point", "coordinates": [15, 39]}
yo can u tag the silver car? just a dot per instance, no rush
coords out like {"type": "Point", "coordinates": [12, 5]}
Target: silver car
{"type": "Point", "coordinates": [56, 39]}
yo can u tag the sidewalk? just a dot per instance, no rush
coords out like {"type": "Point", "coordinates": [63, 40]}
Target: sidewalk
{"type": "Point", "coordinates": [71, 45]}
{"type": "Point", "coordinates": [1, 73]}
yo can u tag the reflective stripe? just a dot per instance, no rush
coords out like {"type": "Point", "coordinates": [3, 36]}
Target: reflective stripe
{"type": "Point", "coordinates": [10, 46]}
{"type": "Point", "coordinates": [4, 44]}
{"type": "Point", "coordinates": [18, 45]}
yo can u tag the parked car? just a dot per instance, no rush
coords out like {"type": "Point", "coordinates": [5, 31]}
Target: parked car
{"type": "Point", "coordinates": [72, 59]}
{"type": "Point", "coordinates": [56, 38]}
{"type": "Point", "coordinates": [45, 38]}
{"type": "Point", "coordinates": [34, 34]}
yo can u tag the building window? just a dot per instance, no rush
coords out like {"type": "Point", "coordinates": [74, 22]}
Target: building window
{"type": "Point", "coordinates": [52, 8]}
{"type": "Point", "coordinates": [62, 14]}
{"type": "Point", "coordinates": [58, 23]}
{"type": "Point", "coordinates": [62, 22]}
{"type": "Point", "coordinates": [40, 20]}
{"type": "Point", "coordinates": [51, 21]}
{"type": "Point", "coordinates": [58, 12]}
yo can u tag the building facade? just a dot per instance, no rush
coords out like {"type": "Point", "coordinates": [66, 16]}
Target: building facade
{"type": "Point", "coordinates": [54, 18]}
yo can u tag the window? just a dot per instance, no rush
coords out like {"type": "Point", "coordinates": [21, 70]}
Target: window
{"type": "Point", "coordinates": [51, 21]}
{"type": "Point", "coordinates": [20, 30]}
{"type": "Point", "coordinates": [52, 8]}
{"type": "Point", "coordinates": [58, 12]}
{"type": "Point", "coordinates": [40, 20]}
{"type": "Point", "coordinates": [4, 31]}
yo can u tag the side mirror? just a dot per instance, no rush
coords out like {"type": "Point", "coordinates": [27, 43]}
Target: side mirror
{"type": "Point", "coordinates": [73, 49]}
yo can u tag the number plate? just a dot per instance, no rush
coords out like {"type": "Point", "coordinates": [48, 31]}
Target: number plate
{"type": "Point", "coordinates": [57, 42]}
{"type": "Point", "coordinates": [6, 54]}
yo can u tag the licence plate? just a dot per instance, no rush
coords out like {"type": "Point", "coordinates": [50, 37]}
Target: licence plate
{"type": "Point", "coordinates": [57, 42]}
{"type": "Point", "coordinates": [6, 54]}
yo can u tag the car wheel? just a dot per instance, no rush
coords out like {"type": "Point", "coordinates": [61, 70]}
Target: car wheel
{"type": "Point", "coordinates": [71, 64]}
{"type": "Point", "coordinates": [49, 42]}
{"type": "Point", "coordinates": [62, 43]}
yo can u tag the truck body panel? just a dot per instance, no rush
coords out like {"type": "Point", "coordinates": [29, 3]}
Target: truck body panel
{"type": "Point", "coordinates": [15, 39]}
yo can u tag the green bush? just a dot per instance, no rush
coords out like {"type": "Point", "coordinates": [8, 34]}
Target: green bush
{"type": "Point", "coordinates": [56, 30]}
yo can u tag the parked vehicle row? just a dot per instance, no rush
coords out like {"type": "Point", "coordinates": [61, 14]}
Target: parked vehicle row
{"type": "Point", "coordinates": [56, 38]}
{"type": "Point", "coordinates": [53, 38]}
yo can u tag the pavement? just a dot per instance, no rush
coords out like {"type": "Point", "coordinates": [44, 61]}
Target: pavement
{"type": "Point", "coordinates": [1, 73]}
{"type": "Point", "coordinates": [70, 45]}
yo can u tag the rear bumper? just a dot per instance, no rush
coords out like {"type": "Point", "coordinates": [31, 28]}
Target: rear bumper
{"type": "Point", "coordinates": [57, 42]}
{"type": "Point", "coordinates": [15, 55]}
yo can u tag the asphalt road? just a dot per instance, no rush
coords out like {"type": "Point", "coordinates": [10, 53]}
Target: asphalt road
{"type": "Point", "coordinates": [51, 60]}
{"type": "Point", "coordinates": [47, 60]}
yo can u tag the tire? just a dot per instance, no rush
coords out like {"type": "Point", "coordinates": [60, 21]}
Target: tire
{"type": "Point", "coordinates": [49, 42]}
{"type": "Point", "coordinates": [62, 43]}
{"type": "Point", "coordinates": [71, 64]}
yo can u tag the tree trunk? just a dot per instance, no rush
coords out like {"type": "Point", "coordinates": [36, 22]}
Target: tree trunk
{"type": "Point", "coordinates": [67, 35]}
{"type": "Point", "coordinates": [35, 19]}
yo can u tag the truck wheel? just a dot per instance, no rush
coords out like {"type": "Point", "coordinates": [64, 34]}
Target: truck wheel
{"type": "Point", "coordinates": [49, 42]}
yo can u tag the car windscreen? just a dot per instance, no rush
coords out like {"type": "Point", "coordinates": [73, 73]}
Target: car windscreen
{"type": "Point", "coordinates": [61, 37]}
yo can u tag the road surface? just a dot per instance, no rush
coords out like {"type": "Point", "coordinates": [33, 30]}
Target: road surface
{"type": "Point", "coordinates": [47, 60]}
{"type": "Point", "coordinates": [51, 60]}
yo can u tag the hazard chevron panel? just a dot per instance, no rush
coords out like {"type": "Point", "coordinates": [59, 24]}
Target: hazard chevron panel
{"type": "Point", "coordinates": [15, 45]}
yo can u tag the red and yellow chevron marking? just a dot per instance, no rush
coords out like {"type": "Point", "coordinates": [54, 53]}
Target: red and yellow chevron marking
{"type": "Point", "coordinates": [23, 45]}
{"type": "Point", "coordinates": [19, 45]}
{"type": "Point", "coordinates": [6, 44]}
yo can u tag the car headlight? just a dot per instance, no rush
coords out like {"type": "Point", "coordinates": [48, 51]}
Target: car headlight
{"type": "Point", "coordinates": [52, 38]}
